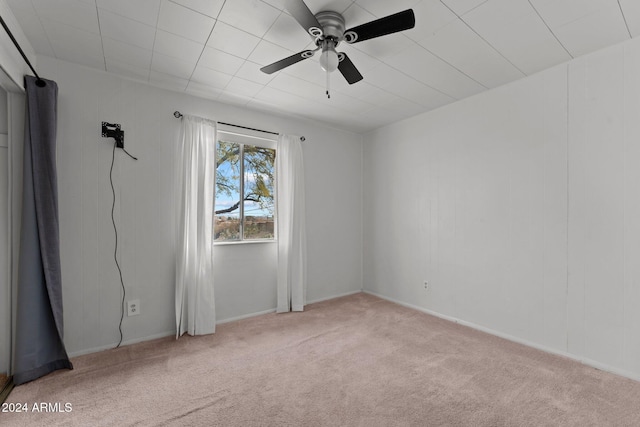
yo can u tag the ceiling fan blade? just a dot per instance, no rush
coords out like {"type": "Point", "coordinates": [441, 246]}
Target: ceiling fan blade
{"type": "Point", "coordinates": [381, 27]}
{"type": "Point", "coordinates": [348, 70]}
{"type": "Point", "coordinates": [299, 10]}
{"type": "Point", "coordinates": [284, 63]}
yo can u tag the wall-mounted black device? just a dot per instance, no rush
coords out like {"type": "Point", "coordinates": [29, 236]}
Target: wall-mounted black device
{"type": "Point", "coordinates": [112, 130]}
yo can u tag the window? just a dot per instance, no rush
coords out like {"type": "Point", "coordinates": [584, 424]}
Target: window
{"type": "Point", "coordinates": [245, 166]}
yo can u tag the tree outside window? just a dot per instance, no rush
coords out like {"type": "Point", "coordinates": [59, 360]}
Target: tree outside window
{"type": "Point", "coordinates": [247, 170]}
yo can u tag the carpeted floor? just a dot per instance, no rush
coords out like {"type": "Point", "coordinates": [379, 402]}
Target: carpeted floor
{"type": "Point", "coordinates": [351, 361]}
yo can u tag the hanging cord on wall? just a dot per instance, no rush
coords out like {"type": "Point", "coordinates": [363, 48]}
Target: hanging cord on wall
{"type": "Point", "coordinates": [113, 130]}
{"type": "Point", "coordinates": [128, 154]}
{"type": "Point", "coordinates": [115, 230]}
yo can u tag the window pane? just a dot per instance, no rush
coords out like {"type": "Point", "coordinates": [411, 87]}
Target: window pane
{"type": "Point", "coordinates": [258, 192]}
{"type": "Point", "coordinates": [227, 205]}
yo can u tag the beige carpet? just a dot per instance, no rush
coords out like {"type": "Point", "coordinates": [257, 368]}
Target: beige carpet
{"type": "Point", "coordinates": [352, 361]}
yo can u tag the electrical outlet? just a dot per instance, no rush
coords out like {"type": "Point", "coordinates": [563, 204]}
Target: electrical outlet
{"type": "Point", "coordinates": [133, 307]}
{"type": "Point", "coordinates": [426, 285]}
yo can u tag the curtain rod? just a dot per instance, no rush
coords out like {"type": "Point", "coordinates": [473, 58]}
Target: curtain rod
{"type": "Point", "coordinates": [39, 81]}
{"type": "Point", "coordinates": [178, 114]}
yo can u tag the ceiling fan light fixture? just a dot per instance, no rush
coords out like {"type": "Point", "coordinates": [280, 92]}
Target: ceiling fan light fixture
{"type": "Point", "coordinates": [329, 57]}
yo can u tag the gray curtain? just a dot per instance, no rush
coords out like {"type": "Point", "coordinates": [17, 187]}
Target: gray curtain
{"type": "Point", "coordinates": [39, 330]}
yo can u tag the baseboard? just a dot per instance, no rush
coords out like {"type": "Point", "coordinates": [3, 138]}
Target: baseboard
{"type": "Point", "coordinates": [127, 342]}
{"type": "Point", "coordinates": [6, 390]}
{"type": "Point", "coordinates": [346, 294]}
{"type": "Point", "coordinates": [244, 316]}
{"type": "Point", "coordinates": [585, 361]}
{"type": "Point", "coordinates": [172, 333]}
{"type": "Point", "coordinates": [273, 310]}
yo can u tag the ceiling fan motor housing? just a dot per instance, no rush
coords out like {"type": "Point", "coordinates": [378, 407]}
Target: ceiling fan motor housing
{"type": "Point", "coordinates": [332, 25]}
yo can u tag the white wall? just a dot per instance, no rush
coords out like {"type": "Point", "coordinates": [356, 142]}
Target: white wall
{"type": "Point", "coordinates": [245, 274]}
{"type": "Point", "coordinates": [521, 207]}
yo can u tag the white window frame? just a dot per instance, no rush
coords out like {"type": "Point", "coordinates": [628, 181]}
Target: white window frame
{"type": "Point", "coordinates": [244, 137]}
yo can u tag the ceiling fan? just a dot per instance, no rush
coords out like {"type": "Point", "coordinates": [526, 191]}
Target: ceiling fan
{"type": "Point", "coordinates": [327, 29]}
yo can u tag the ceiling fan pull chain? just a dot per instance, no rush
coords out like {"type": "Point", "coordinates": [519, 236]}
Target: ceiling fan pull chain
{"type": "Point", "coordinates": [328, 80]}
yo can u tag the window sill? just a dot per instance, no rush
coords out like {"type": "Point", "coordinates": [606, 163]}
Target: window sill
{"type": "Point", "coordinates": [245, 242]}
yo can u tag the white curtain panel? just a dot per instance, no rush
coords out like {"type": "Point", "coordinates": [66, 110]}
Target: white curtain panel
{"type": "Point", "coordinates": [195, 190]}
{"type": "Point", "coordinates": [292, 240]}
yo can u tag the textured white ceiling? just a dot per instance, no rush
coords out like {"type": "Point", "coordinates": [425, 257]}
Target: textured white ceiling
{"type": "Point", "coordinates": [215, 48]}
